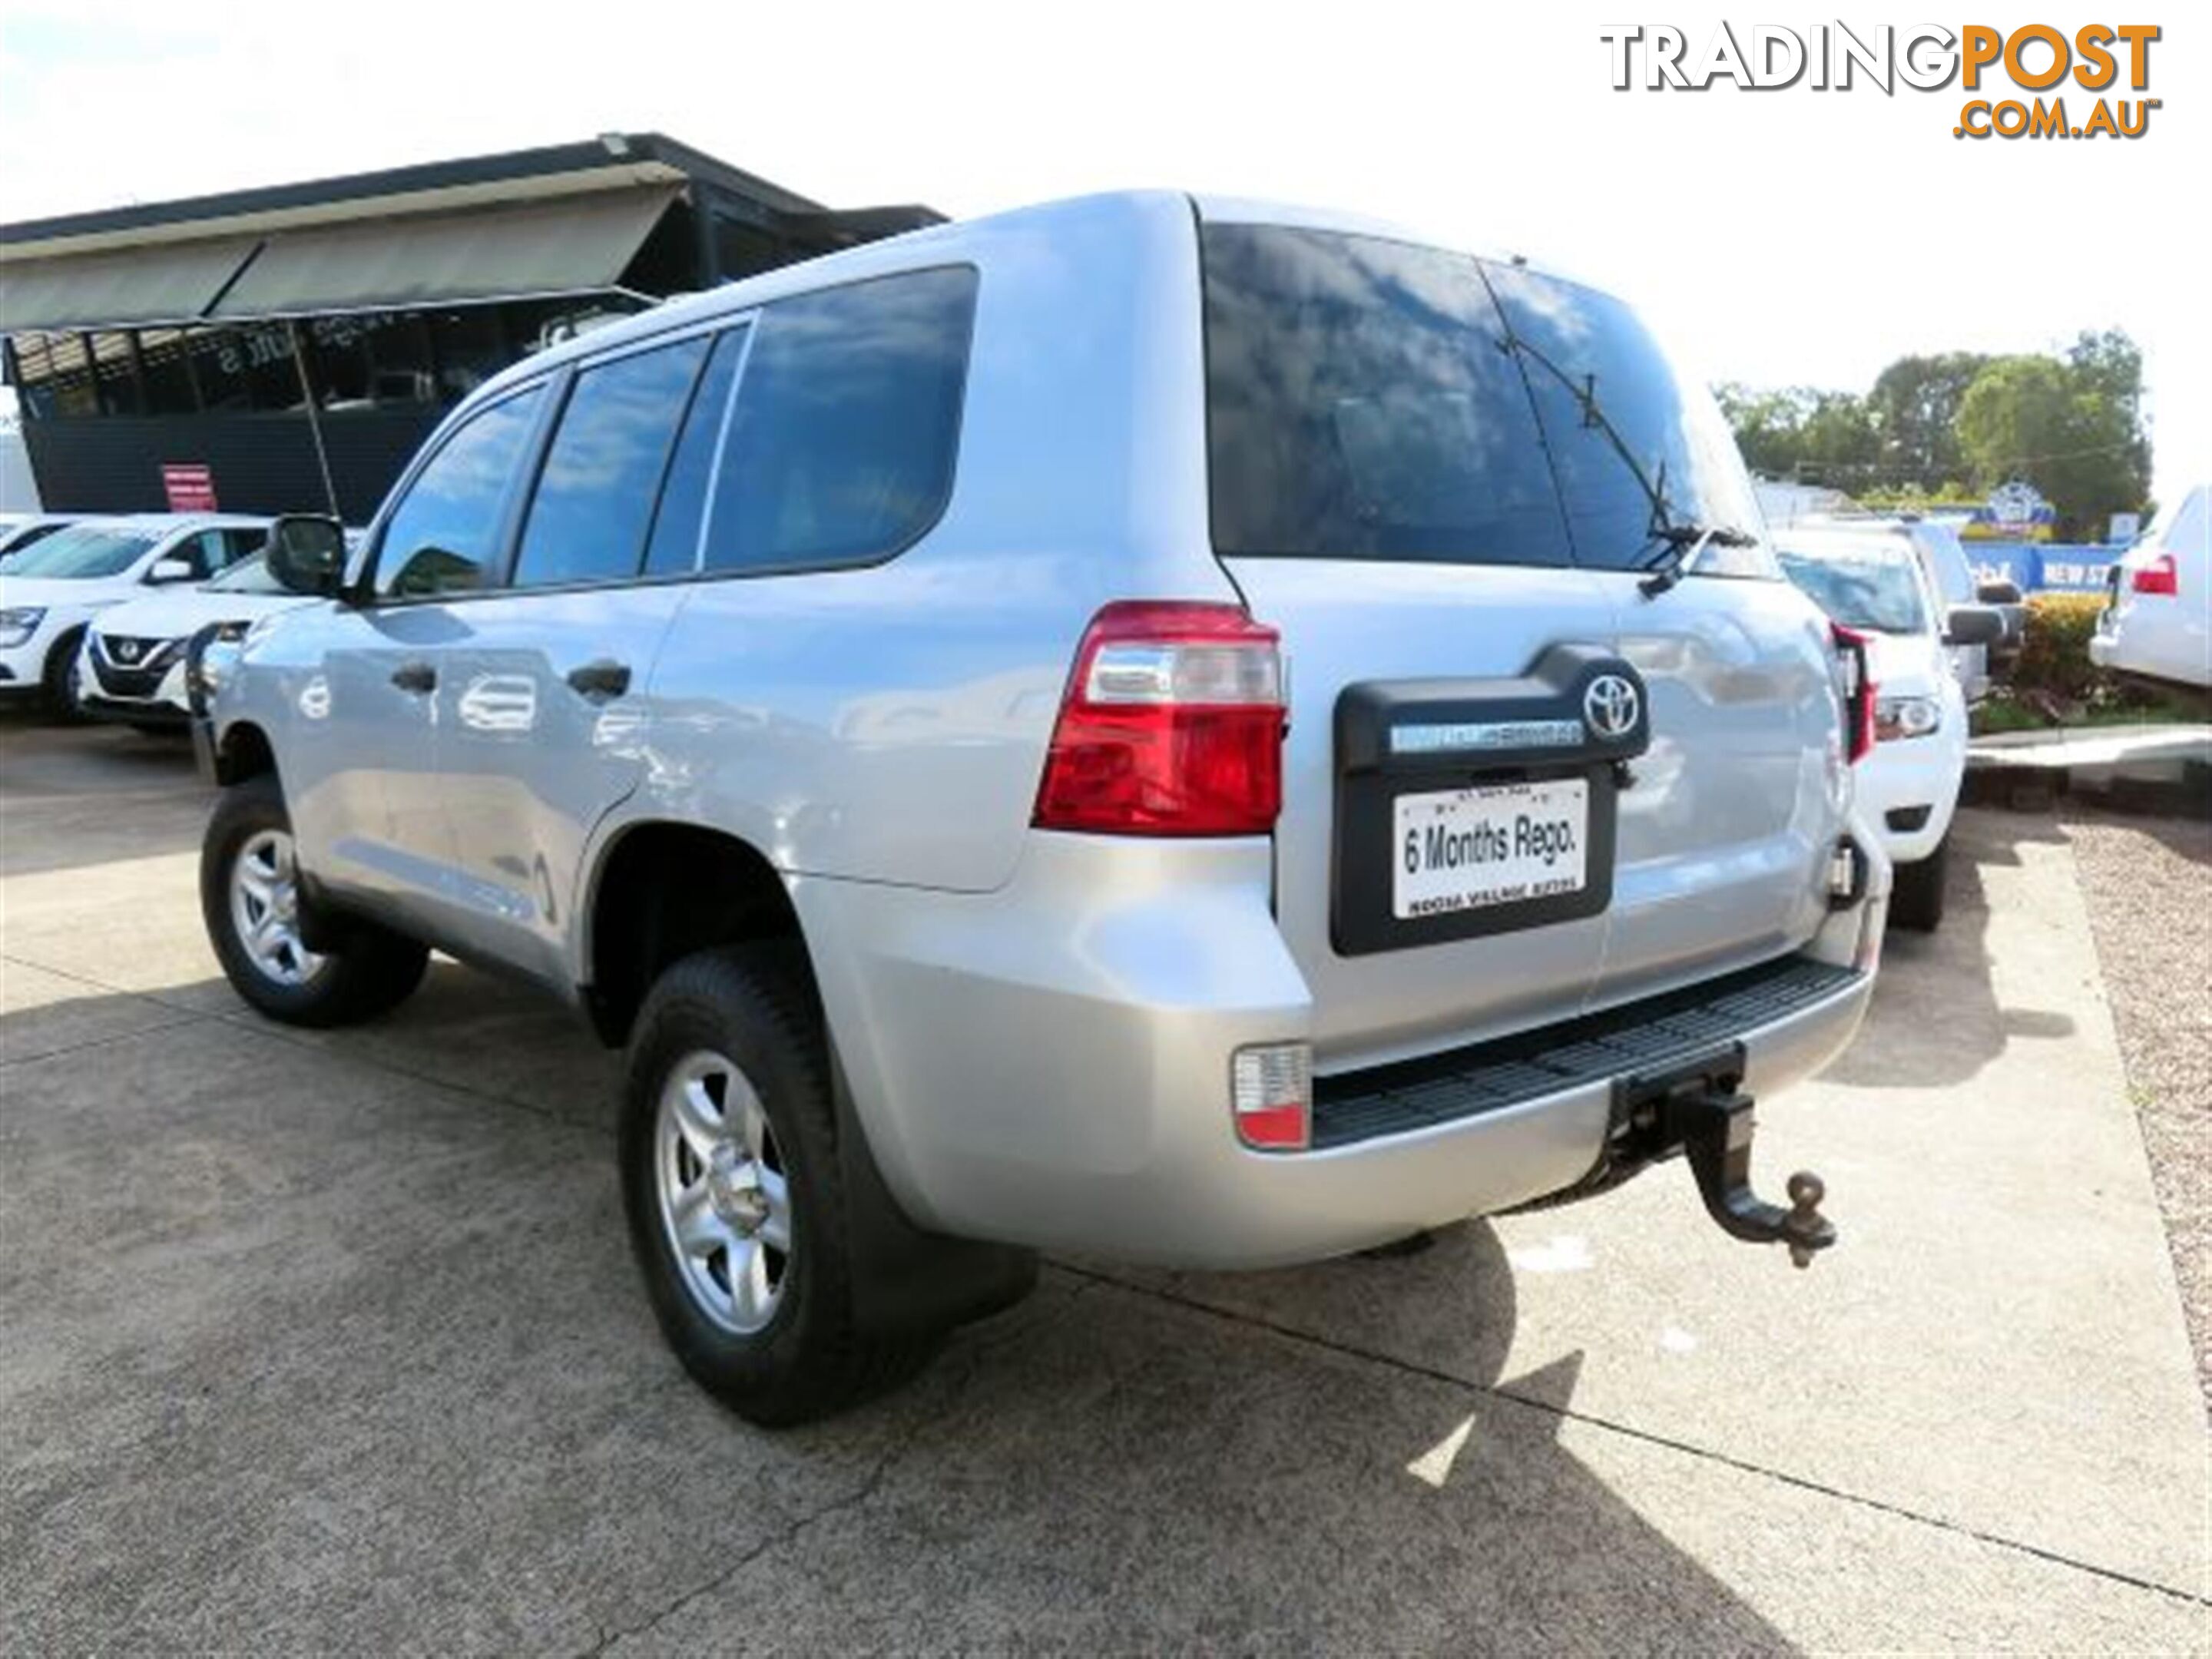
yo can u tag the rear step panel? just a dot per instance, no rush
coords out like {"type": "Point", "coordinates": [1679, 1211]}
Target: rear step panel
{"type": "Point", "coordinates": [1638, 1037]}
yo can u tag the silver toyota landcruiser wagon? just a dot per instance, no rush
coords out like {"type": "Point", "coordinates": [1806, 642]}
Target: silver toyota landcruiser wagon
{"type": "Point", "coordinates": [1197, 732]}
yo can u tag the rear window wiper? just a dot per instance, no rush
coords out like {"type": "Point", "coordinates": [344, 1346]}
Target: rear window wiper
{"type": "Point", "coordinates": [1682, 542]}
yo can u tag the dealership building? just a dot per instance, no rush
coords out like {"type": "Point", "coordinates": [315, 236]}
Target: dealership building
{"type": "Point", "coordinates": [287, 349]}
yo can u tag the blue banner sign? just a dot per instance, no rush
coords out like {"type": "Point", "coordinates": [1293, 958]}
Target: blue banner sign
{"type": "Point", "coordinates": [2047, 568]}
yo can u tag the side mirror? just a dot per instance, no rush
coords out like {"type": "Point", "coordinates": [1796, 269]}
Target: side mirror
{"type": "Point", "coordinates": [1973, 624]}
{"type": "Point", "coordinates": [306, 553]}
{"type": "Point", "coordinates": [1998, 592]}
{"type": "Point", "coordinates": [171, 570]}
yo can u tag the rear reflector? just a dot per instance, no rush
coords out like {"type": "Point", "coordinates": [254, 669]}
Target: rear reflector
{"type": "Point", "coordinates": [1847, 874]}
{"type": "Point", "coordinates": [1271, 1090]}
{"type": "Point", "coordinates": [1857, 689]}
{"type": "Point", "coordinates": [2158, 576]}
{"type": "Point", "coordinates": [1171, 725]}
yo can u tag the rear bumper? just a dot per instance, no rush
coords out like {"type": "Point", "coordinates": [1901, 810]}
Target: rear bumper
{"type": "Point", "coordinates": [1049, 1065]}
{"type": "Point", "coordinates": [2169, 646]}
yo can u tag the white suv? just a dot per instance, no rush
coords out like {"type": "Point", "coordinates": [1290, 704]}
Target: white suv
{"type": "Point", "coordinates": [2157, 621]}
{"type": "Point", "coordinates": [1871, 583]}
{"type": "Point", "coordinates": [50, 590]}
{"type": "Point", "coordinates": [1209, 733]}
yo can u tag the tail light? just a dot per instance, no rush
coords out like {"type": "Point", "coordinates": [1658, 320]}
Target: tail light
{"type": "Point", "coordinates": [1171, 725]}
{"type": "Point", "coordinates": [2158, 576]}
{"type": "Point", "coordinates": [1857, 691]}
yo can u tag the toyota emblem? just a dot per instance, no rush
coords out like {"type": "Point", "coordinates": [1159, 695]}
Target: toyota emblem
{"type": "Point", "coordinates": [1610, 705]}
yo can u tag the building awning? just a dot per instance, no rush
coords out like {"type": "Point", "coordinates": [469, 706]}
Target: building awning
{"type": "Point", "coordinates": [119, 288]}
{"type": "Point", "coordinates": [571, 246]}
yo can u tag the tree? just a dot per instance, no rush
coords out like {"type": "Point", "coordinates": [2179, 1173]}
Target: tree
{"type": "Point", "coordinates": [1766, 425]}
{"type": "Point", "coordinates": [1801, 433]}
{"type": "Point", "coordinates": [1935, 424]}
{"type": "Point", "coordinates": [1914, 406]}
{"type": "Point", "coordinates": [2071, 428]}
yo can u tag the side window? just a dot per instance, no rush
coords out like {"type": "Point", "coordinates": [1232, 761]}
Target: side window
{"type": "Point", "coordinates": [442, 534]}
{"type": "Point", "coordinates": [843, 441]}
{"type": "Point", "coordinates": [594, 501]}
{"type": "Point", "coordinates": [242, 544]}
{"type": "Point", "coordinates": [204, 552]}
{"type": "Point", "coordinates": [675, 545]}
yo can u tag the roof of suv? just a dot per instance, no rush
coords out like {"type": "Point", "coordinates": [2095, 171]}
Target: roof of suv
{"type": "Point", "coordinates": [894, 252]}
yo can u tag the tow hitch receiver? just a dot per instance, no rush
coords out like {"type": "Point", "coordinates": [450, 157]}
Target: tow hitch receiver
{"type": "Point", "coordinates": [1700, 1108]}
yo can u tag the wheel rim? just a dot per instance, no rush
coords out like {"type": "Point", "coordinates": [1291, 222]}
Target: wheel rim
{"type": "Point", "coordinates": [264, 909]}
{"type": "Point", "coordinates": [725, 1201]}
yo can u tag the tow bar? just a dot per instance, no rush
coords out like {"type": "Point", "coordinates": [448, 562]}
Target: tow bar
{"type": "Point", "coordinates": [1715, 1126]}
{"type": "Point", "coordinates": [1700, 1108]}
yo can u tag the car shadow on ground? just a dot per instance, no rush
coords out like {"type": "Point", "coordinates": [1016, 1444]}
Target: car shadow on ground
{"type": "Point", "coordinates": [1950, 969]}
{"type": "Point", "coordinates": [291, 1261]}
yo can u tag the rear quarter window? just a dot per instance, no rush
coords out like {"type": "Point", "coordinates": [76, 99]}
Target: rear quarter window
{"type": "Point", "coordinates": [847, 425]}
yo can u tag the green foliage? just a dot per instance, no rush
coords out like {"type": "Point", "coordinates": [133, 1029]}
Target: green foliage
{"type": "Point", "coordinates": [2054, 652]}
{"type": "Point", "coordinates": [2072, 428]}
{"type": "Point", "coordinates": [1954, 425]}
{"type": "Point", "coordinates": [1914, 405]}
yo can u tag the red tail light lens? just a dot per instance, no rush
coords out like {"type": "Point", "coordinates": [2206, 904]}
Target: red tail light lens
{"type": "Point", "coordinates": [1171, 725]}
{"type": "Point", "coordinates": [1858, 691]}
{"type": "Point", "coordinates": [2158, 576]}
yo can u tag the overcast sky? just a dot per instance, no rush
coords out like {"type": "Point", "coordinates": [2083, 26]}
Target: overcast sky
{"type": "Point", "coordinates": [1784, 237]}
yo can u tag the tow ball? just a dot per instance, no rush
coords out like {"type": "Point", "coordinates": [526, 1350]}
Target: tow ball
{"type": "Point", "coordinates": [1712, 1121]}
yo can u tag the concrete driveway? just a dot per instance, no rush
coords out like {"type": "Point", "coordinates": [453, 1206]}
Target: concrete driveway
{"type": "Point", "coordinates": [332, 1343]}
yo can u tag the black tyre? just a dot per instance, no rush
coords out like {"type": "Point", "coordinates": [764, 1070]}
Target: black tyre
{"type": "Point", "coordinates": [1917, 900]}
{"type": "Point", "coordinates": [737, 1205]}
{"type": "Point", "coordinates": [60, 680]}
{"type": "Point", "coordinates": [250, 899]}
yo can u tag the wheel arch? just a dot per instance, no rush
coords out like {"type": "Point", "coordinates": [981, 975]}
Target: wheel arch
{"type": "Point", "coordinates": [659, 889]}
{"type": "Point", "coordinates": [243, 752]}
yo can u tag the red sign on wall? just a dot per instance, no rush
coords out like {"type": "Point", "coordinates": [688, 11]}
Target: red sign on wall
{"type": "Point", "coordinates": [189, 486]}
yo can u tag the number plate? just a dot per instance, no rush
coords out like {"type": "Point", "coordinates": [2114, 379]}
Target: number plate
{"type": "Point", "coordinates": [1504, 844]}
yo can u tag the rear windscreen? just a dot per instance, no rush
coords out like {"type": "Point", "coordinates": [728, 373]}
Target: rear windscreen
{"type": "Point", "coordinates": [1368, 398]}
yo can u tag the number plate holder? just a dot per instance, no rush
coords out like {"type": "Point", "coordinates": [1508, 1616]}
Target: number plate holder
{"type": "Point", "coordinates": [1412, 738]}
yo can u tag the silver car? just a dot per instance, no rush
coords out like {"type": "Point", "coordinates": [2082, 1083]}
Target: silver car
{"type": "Point", "coordinates": [1205, 733]}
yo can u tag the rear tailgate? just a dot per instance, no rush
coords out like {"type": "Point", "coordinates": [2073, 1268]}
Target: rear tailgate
{"type": "Point", "coordinates": [1445, 539]}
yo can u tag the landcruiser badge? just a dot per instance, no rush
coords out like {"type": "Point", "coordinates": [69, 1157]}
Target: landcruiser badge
{"type": "Point", "coordinates": [1609, 706]}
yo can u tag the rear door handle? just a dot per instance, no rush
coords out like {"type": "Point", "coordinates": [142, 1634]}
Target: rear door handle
{"type": "Point", "coordinates": [415, 676]}
{"type": "Point", "coordinates": [601, 681]}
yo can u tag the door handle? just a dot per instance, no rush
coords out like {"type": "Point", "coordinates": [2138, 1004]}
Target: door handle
{"type": "Point", "coordinates": [601, 681]}
{"type": "Point", "coordinates": [415, 676]}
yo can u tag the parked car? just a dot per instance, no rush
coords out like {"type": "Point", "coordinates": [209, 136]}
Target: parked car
{"type": "Point", "coordinates": [50, 591]}
{"type": "Point", "coordinates": [869, 703]}
{"type": "Point", "coordinates": [2157, 598]}
{"type": "Point", "coordinates": [1942, 557]}
{"type": "Point", "coordinates": [20, 530]}
{"type": "Point", "coordinates": [133, 666]}
{"type": "Point", "coordinates": [1872, 583]}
